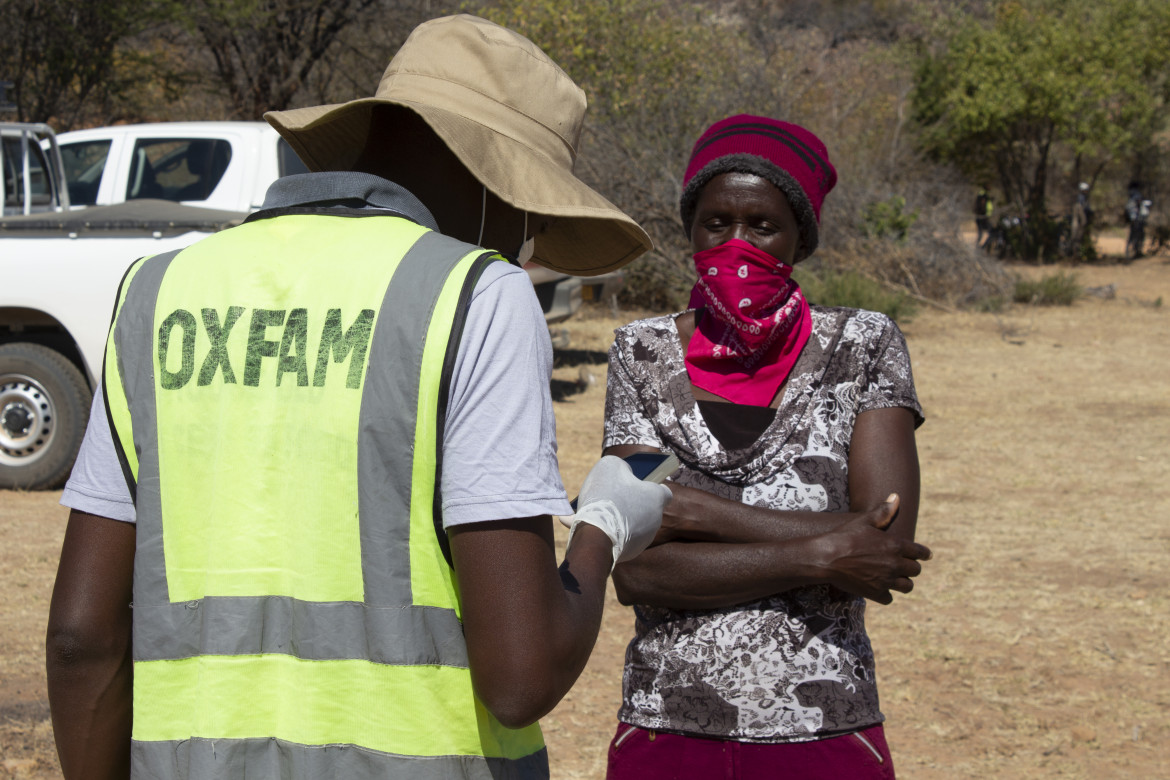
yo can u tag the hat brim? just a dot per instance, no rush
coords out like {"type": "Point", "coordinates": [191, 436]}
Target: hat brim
{"type": "Point", "coordinates": [588, 236]}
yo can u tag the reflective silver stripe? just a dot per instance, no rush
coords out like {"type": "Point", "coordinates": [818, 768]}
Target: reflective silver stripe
{"type": "Point", "coordinates": [274, 758]}
{"type": "Point", "coordinates": [313, 630]}
{"type": "Point", "coordinates": [134, 341]}
{"type": "Point", "coordinates": [388, 415]}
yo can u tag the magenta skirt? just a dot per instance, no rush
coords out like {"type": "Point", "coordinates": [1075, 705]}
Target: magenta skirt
{"type": "Point", "coordinates": [638, 754]}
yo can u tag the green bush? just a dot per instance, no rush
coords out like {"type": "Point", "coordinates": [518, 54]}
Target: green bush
{"type": "Point", "coordinates": [1058, 289]}
{"type": "Point", "coordinates": [992, 304]}
{"type": "Point", "coordinates": [888, 219]}
{"type": "Point", "coordinates": [852, 290]}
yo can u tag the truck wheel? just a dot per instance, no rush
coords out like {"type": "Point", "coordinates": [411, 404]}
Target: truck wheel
{"type": "Point", "coordinates": [44, 408]}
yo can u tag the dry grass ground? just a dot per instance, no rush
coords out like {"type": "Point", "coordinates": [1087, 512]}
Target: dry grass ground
{"type": "Point", "coordinates": [1037, 642]}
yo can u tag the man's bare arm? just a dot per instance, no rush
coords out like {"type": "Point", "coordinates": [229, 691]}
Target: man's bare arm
{"type": "Point", "coordinates": [530, 625]}
{"type": "Point", "coordinates": [88, 648]}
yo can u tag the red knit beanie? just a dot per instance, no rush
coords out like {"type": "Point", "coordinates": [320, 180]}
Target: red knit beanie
{"type": "Point", "coordinates": [787, 155]}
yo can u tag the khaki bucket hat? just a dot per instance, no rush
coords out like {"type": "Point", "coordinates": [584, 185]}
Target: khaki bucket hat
{"type": "Point", "coordinates": [512, 117]}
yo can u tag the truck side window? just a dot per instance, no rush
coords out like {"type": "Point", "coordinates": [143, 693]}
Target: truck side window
{"type": "Point", "coordinates": [38, 180]}
{"type": "Point", "coordinates": [84, 163]}
{"type": "Point", "coordinates": [10, 156]}
{"type": "Point", "coordinates": [288, 160]}
{"type": "Point", "coordinates": [177, 169]}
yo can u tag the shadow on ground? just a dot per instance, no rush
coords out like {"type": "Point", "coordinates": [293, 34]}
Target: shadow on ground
{"type": "Point", "coordinates": [564, 389]}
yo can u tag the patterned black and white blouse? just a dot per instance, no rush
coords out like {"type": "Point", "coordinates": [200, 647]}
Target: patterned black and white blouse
{"type": "Point", "coordinates": [796, 665]}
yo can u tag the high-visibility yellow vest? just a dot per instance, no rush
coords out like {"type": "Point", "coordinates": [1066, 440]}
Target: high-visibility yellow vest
{"type": "Point", "coordinates": [277, 391]}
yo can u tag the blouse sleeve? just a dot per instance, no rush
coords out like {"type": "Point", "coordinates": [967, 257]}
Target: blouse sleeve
{"type": "Point", "coordinates": [890, 380]}
{"type": "Point", "coordinates": [626, 418]}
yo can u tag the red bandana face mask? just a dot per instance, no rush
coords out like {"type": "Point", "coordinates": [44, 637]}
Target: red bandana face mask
{"type": "Point", "coordinates": [754, 327]}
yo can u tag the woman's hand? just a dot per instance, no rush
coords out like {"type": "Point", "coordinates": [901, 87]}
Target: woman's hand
{"type": "Point", "coordinates": [862, 558]}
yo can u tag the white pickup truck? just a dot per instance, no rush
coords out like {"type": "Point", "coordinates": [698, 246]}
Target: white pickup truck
{"type": "Point", "coordinates": [59, 273]}
{"type": "Point", "coordinates": [75, 219]}
{"type": "Point", "coordinates": [215, 165]}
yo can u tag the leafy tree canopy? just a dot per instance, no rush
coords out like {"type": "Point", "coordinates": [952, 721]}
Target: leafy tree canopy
{"type": "Point", "coordinates": [630, 56]}
{"type": "Point", "coordinates": [1081, 80]}
{"type": "Point", "coordinates": [68, 60]}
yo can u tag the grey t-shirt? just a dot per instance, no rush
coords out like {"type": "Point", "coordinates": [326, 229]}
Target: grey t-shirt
{"type": "Point", "coordinates": [499, 446]}
{"type": "Point", "coordinates": [796, 665]}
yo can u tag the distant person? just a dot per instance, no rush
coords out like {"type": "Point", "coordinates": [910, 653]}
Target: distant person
{"type": "Point", "coordinates": [983, 208]}
{"type": "Point", "coordinates": [797, 498]}
{"type": "Point", "coordinates": [1081, 222]}
{"type": "Point", "coordinates": [1137, 214]}
{"type": "Point", "coordinates": [312, 537]}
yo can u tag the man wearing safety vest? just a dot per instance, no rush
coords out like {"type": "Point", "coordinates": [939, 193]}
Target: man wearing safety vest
{"type": "Point", "coordinates": [311, 521]}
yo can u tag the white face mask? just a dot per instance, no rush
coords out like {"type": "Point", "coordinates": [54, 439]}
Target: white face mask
{"type": "Point", "coordinates": [524, 254]}
{"type": "Point", "coordinates": [527, 249]}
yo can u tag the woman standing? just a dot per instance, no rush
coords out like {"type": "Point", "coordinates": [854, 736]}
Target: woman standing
{"type": "Point", "coordinates": [797, 497]}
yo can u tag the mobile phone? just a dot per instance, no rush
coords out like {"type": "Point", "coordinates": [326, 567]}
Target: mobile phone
{"type": "Point", "coordinates": [649, 467]}
{"type": "Point", "coordinates": [652, 466]}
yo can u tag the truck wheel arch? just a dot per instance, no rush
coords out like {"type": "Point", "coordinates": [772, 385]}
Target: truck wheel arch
{"type": "Point", "coordinates": [44, 409]}
{"type": "Point", "coordinates": [35, 326]}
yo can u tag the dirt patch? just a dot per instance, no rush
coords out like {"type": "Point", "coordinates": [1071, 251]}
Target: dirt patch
{"type": "Point", "coordinates": [1037, 642]}
{"type": "Point", "coordinates": [32, 526]}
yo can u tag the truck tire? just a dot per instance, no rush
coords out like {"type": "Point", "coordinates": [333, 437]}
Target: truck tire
{"type": "Point", "coordinates": [44, 408]}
